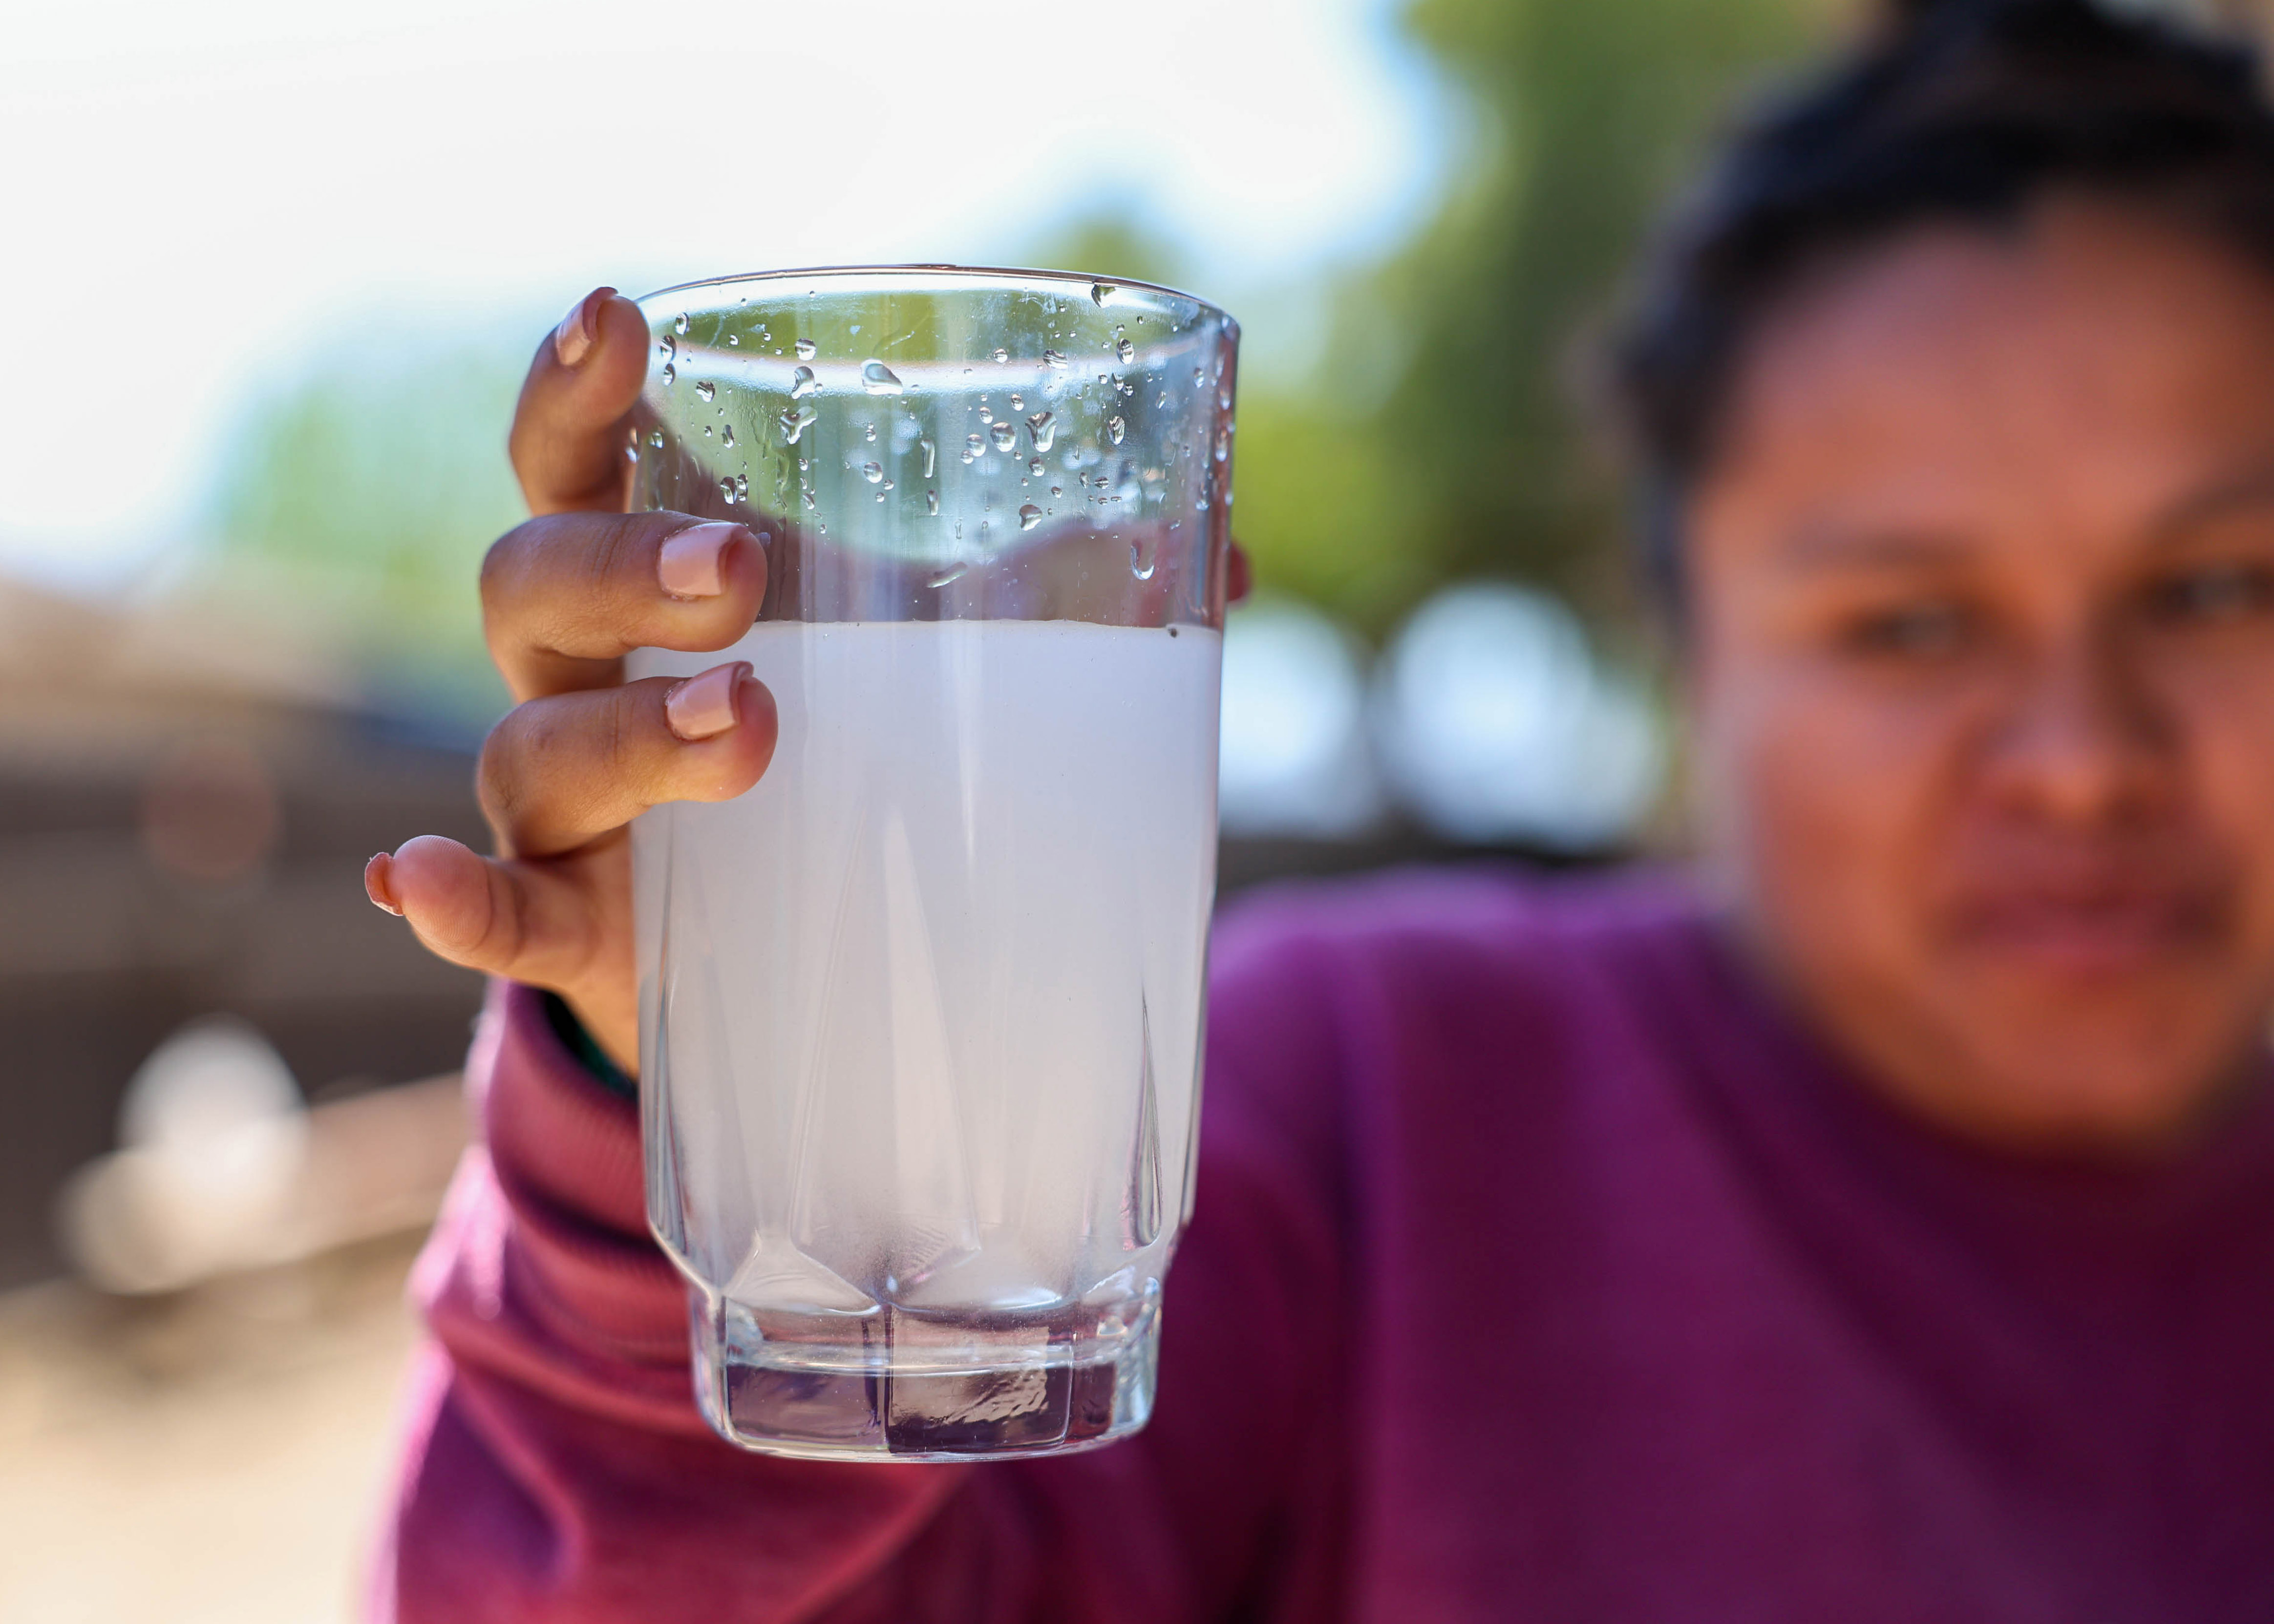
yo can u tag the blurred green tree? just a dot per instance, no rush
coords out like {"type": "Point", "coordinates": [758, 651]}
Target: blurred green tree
{"type": "Point", "coordinates": [1442, 437]}
{"type": "Point", "coordinates": [359, 502]}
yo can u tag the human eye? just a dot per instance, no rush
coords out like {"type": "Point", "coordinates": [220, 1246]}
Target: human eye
{"type": "Point", "coordinates": [1917, 630]}
{"type": "Point", "coordinates": [2212, 594]}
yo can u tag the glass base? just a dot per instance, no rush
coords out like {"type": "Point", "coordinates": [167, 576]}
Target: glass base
{"type": "Point", "coordinates": [897, 1387]}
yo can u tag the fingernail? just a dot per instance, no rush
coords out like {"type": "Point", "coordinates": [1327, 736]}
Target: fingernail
{"type": "Point", "coordinates": [378, 876]}
{"type": "Point", "coordinates": [704, 707]}
{"type": "Point", "coordinates": [688, 563]}
{"type": "Point", "coordinates": [572, 340]}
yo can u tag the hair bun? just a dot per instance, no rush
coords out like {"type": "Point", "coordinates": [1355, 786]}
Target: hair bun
{"type": "Point", "coordinates": [1914, 14]}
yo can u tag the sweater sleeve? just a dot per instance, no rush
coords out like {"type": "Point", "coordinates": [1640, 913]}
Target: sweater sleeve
{"type": "Point", "coordinates": [554, 1466]}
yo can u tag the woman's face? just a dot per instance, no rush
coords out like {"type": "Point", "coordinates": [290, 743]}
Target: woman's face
{"type": "Point", "coordinates": [1982, 670]}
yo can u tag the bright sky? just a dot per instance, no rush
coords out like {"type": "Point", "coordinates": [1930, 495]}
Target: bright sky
{"type": "Point", "coordinates": [202, 196]}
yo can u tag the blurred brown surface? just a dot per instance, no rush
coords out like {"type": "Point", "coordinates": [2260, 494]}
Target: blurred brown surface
{"type": "Point", "coordinates": [215, 1457]}
{"type": "Point", "coordinates": [184, 813]}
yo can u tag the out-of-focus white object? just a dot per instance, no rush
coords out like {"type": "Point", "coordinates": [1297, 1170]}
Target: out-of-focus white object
{"type": "Point", "coordinates": [1493, 722]}
{"type": "Point", "coordinates": [1295, 758]}
{"type": "Point", "coordinates": [212, 1135]}
{"type": "Point", "coordinates": [222, 1169]}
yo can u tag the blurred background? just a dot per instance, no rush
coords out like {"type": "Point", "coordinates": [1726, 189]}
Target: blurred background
{"type": "Point", "coordinates": [279, 268]}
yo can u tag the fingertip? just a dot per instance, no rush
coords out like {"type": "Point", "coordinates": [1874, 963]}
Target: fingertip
{"type": "Point", "coordinates": [746, 569]}
{"type": "Point", "coordinates": [754, 702]}
{"type": "Point", "coordinates": [725, 764]}
{"type": "Point", "coordinates": [572, 340]}
{"type": "Point", "coordinates": [618, 364]}
{"type": "Point", "coordinates": [567, 442]}
{"type": "Point", "coordinates": [422, 852]}
{"type": "Point", "coordinates": [440, 887]}
{"type": "Point", "coordinates": [760, 724]}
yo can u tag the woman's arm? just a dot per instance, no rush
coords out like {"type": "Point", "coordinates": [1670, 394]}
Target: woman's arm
{"type": "Point", "coordinates": [556, 1469]}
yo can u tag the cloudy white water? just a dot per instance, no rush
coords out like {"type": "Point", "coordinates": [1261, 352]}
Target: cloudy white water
{"type": "Point", "coordinates": [988, 932]}
{"type": "Point", "coordinates": [220, 192]}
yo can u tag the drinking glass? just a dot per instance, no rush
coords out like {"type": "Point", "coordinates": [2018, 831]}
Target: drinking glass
{"type": "Point", "coordinates": [920, 1013]}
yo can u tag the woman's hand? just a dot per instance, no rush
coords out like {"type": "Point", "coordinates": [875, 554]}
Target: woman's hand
{"type": "Point", "coordinates": [564, 597]}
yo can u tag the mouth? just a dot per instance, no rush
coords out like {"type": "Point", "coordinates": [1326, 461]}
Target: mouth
{"type": "Point", "coordinates": [2092, 933]}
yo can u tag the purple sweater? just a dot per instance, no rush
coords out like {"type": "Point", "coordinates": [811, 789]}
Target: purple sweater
{"type": "Point", "coordinates": [1543, 1269]}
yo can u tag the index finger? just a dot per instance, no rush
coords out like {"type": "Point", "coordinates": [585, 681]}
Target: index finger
{"type": "Point", "coordinates": [567, 438]}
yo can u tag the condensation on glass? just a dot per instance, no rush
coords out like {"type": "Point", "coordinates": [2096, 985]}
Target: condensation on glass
{"type": "Point", "coordinates": [921, 1012]}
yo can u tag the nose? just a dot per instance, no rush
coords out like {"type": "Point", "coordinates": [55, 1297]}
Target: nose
{"type": "Point", "coordinates": [2082, 740]}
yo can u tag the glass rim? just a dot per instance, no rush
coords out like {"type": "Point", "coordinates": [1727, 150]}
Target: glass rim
{"type": "Point", "coordinates": [1083, 280]}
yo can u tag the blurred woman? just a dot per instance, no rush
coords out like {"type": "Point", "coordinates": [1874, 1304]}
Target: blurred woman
{"type": "Point", "coordinates": [1873, 1221]}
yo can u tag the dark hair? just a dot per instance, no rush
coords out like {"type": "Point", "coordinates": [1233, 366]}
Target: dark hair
{"type": "Point", "coordinates": [1954, 109]}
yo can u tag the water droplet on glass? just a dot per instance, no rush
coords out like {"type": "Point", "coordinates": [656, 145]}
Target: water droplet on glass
{"type": "Point", "coordinates": [1005, 437]}
{"type": "Point", "coordinates": [742, 490]}
{"type": "Point", "coordinates": [1199, 376]}
{"type": "Point", "coordinates": [1223, 398]}
{"type": "Point", "coordinates": [1035, 467]}
{"type": "Point", "coordinates": [1043, 428]}
{"type": "Point", "coordinates": [869, 433]}
{"type": "Point", "coordinates": [985, 415]}
{"type": "Point", "coordinates": [726, 492]}
{"type": "Point", "coordinates": [1051, 357]}
{"type": "Point", "coordinates": [1143, 562]}
{"type": "Point", "coordinates": [656, 440]}
{"type": "Point", "coordinates": [878, 379]}
{"type": "Point", "coordinates": [806, 351]}
{"type": "Point", "coordinates": [670, 374]}
{"type": "Point", "coordinates": [794, 421]}
{"type": "Point", "coordinates": [707, 391]}
{"type": "Point", "coordinates": [1029, 516]}
{"type": "Point", "coordinates": [727, 435]}
{"type": "Point", "coordinates": [680, 325]}
{"type": "Point", "coordinates": [873, 472]}
{"type": "Point", "coordinates": [975, 446]}
{"type": "Point", "coordinates": [1002, 354]}
{"type": "Point", "coordinates": [1115, 429]}
{"type": "Point", "coordinates": [941, 577]}
{"type": "Point", "coordinates": [1018, 402]}
{"type": "Point", "coordinates": [1101, 291]}
{"type": "Point", "coordinates": [666, 349]}
{"type": "Point", "coordinates": [1222, 444]}
{"type": "Point", "coordinates": [734, 340]}
{"type": "Point", "coordinates": [1126, 350]}
{"type": "Point", "coordinates": [802, 383]}
{"type": "Point", "coordinates": [931, 503]}
{"type": "Point", "coordinates": [1057, 491]}
{"type": "Point", "coordinates": [930, 456]}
